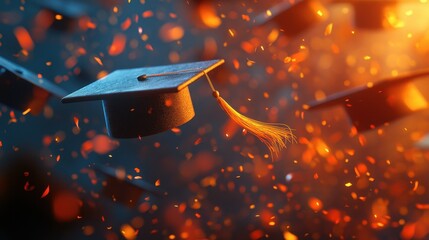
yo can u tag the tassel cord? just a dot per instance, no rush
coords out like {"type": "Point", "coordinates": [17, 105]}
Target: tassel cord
{"type": "Point", "coordinates": [273, 135]}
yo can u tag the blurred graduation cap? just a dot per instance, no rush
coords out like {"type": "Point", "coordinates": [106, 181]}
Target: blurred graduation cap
{"type": "Point", "coordinates": [384, 102]}
{"type": "Point", "coordinates": [144, 101]}
{"type": "Point", "coordinates": [294, 18]}
{"type": "Point", "coordinates": [62, 14]}
{"type": "Point", "coordinates": [120, 188]}
{"type": "Point", "coordinates": [24, 90]}
{"type": "Point", "coordinates": [374, 14]}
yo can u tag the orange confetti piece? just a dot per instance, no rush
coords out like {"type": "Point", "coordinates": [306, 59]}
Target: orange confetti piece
{"type": "Point", "coordinates": [98, 60]}
{"type": "Point", "coordinates": [416, 185]}
{"type": "Point", "coordinates": [118, 44]}
{"type": "Point", "coordinates": [147, 14]}
{"type": "Point", "coordinates": [157, 183]}
{"type": "Point", "coordinates": [24, 38]}
{"type": "Point", "coordinates": [126, 24]}
{"type": "Point", "coordinates": [328, 29]}
{"type": "Point", "coordinates": [170, 32]}
{"type": "Point", "coordinates": [149, 47]}
{"type": "Point", "coordinates": [315, 204]}
{"type": "Point", "coordinates": [46, 192]}
{"type": "Point", "coordinates": [422, 206]}
{"type": "Point", "coordinates": [176, 130]}
{"type": "Point", "coordinates": [26, 111]}
{"type": "Point", "coordinates": [76, 122]}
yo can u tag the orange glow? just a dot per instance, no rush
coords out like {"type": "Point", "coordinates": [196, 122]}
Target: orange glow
{"type": "Point", "coordinates": [100, 144]}
{"type": "Point", "coordinates": [42, 22]}
{"type": "Point", "coordinates": [85, 23]}
{"type": "Point", "coordinates": [128, 232]}
{"type": "Point", "coordinates": [408, 231]}
{"type": "Point", "coordinates": [118, 44]}
{"type": "Point", "coordinates": [66, 206]}
{"type": "Point", "coordinates": [70, 62]}
{"type": "Point", "coordinates": [379, 217]}
{"type": "Point", "coordinates": [170, 32]}
{"type": "Point", "coordinates": [413, 98]}
{"type": "Point", "coordinates": [126, 24]}
{"type": "Point", "coordinates": [289, 236]}
{"type": "Point", "coordinates": [321, 147]}
{"type": "Point", "coordinates": [315, 204]}
{"type": "Point", "coordinates": [147, 14]}
{"type": "Point", "coordinates": [207, 14]}
{"type": "Point", "coordinates": [257, 234]}
{"type": "Point", "coordinates": [334, 215]}
{"type": "Point", "coordinates": [392, 18]}
{"type": "Point", "coordinates": [230, 128]}
{"type": "Point", "coordinates": [24, 38]}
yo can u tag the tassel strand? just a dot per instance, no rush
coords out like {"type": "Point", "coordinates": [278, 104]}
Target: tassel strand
{"type": "Point", "coordinates": [273, 135]}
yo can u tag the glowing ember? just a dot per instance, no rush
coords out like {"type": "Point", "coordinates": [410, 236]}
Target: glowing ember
{"type": "Point", "coordinates": [24, 38]}
{"type": "Point", "coordinates": [118, 44]}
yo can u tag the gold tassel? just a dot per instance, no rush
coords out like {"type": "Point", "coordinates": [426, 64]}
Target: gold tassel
{"type": "Point", "coordinates": [273, 135]}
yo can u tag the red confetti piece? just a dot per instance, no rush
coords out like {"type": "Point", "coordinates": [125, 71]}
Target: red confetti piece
{"type": "Point", "coordinates": [24, 38]}
{"type": "Point", "coordinates": [46, 192]}
{"type": "Point", "coordinates": [118, 44]}
{"type": "Point", "coordinates": [147, 14]}
{"type": "Point", "coordinates": [27, 187]}
{"type": "Point", "coordinates": [126, 24]}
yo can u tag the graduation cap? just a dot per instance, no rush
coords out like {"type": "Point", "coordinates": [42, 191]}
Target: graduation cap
{"type": "Point", "coordinates": [385, 101]}
{"type": "Point", "coordinates": [64, 14]}
{"type": "Point", "coordinates": [24, 90]}
{"type": "Point", "coordinates": [373, 14]}
{"type": "Point", "coordinates": [144, 101]}
{"type": "Point", "coordinates": [121, 189]}
{"type": "Point", "coordinates": [294, 18]}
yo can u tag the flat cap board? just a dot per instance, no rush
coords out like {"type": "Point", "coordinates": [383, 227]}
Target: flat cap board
{"type": "Point", "coordinates": [31, 78]}
{"type": "Point", "coordinates": [161, 79]}
{"type": "Point", "coordinates": [275, 10]}
{"type": "Point", "coordinates": [384, 102]}
{"type": "Point", "coordinates": [294, 18]}
{"type": "Point", "coordinates": [341, 97]}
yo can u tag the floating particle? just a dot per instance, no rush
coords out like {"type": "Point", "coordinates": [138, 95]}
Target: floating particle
{"type": "Point", "coordinates": [76, 122]}
{"type": "Point", "coordinates": [128, 232]}
{"type": "Point", "coordinates": [328, 29]}
{"type": "Point", "coordinates": [118, 44]}
{"type": "Point", "coordinates": [46, 192]}
{"type": "Point", "coordinates": [98, 60]}
{"type": "Point", "coordinates": [126, 24]}
{"type": "Point", "coordinates": [315, 204]}
{"type": "Point", "coordinates": [207, 14]}
{"type": "Point", "coordinates": [289, 236]}
{"type": "Point", "coordinates": [147, 14]}
{"type": "Point", "coordinates": [170, 32]}
{"type": "Point", "coordinates": [24, 38]}
{"type": "Point", "coordinates": [66, 206]}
